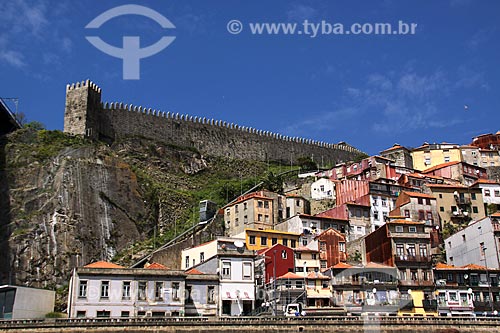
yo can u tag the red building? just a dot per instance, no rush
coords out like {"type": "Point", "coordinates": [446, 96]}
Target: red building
{"type": "Point", "coordinates": [284, 258]}
{"type": "Point", "coordinates": [332, 249]}
{"type": "Point", "coordinates": [460, 171]}
{"type": "Point", "coordinates": [487, 141]}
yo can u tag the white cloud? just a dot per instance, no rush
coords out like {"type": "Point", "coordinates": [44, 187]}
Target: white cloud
{"type": "Point", "coordinates": [12, 58]}
{"type": "Point", "coordinates": [300, 12]}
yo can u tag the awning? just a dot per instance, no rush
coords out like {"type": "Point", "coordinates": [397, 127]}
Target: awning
{"type": "Point", "coordinates": [235, 295]}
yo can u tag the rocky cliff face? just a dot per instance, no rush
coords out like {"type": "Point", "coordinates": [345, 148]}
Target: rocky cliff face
{"type": "Point", "coordinates": [65, 202]}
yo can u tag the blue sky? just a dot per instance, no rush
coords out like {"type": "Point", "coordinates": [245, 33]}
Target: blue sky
{"type": "Point", "coordinates": [368, 90]}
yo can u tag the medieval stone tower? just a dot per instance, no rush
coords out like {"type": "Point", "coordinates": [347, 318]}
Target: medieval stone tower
{"type": "Point", "coordinates": [87, 116]}
{"type": "Point", "coordinates": [83, 105]}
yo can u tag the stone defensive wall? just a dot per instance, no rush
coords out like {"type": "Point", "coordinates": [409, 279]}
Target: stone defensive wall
{"type": "Point", "coordinates": [112, 121]}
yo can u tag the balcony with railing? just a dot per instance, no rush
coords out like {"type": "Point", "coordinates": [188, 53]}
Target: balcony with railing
{"type": "Point", "coordinates": [412, 259]}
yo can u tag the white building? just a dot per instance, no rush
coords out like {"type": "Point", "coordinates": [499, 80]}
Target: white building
{"type": "Point", "coordinates": [106, 290]}
{"type": "Point", "coordinates": [310, 226]}
{"type": "Point", "coordinates": [478, 244]}
{"type": "Point", "coordinates": [491, 192]}
{"type": "Point", "coordinates": [381, 206]}
{"type": "Point", "coordinates": [25, 303]}
{"type": "Point", "coordinates": [230, 259]}
{"type": "Point", "coordinates": [323, 188]}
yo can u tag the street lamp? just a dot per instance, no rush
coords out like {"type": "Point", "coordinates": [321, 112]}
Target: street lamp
{"type": "Point", "coordinates": [488, 280]}
{"type": "Point", "coordinates": [274, 282]}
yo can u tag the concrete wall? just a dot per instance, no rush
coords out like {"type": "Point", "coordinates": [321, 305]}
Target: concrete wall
{"type": "Point", "coordinates": [32, 303]}
{"type": "Point", "coordinates": [84, 115]}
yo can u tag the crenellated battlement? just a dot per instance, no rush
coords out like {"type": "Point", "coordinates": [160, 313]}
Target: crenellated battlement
{"type": "Point", "coordinates": [86, 114]}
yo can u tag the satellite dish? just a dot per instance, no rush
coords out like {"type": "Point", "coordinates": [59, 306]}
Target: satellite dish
{"type": "Point", "coordinates": [466, 276]}
{"type": "Point", "coordinates": [466, 213]}
{"type": "Point", "coordinates": [239, 244]}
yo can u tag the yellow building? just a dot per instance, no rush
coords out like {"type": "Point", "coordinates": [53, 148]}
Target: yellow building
{"type": "Point", "coordinates": [418, 306]}
{"type": "Point", "coordinates": [457, 204]}
{"type": "Point", "coordinates": [254, 210]}
{"type": "Point", "coordinates": [429, 155]}
{"type": "Point", "coordinates": [257, 239]}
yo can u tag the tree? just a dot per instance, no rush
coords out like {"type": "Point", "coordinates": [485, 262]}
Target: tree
{"type": "Point", "coordinates": [273, 183]}
{"type": "Point", "coordinates": [306, 164]}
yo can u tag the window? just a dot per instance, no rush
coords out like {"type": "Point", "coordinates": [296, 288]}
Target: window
{"type": "Point", "coordinates": [247, 271]}
{"type": "Point", "coordinates": [285, 241]}
{"type": "Point", "coordinates": [245, 206]}
{"type": "Point", "coordinates": [463, 238]}
{"type": "Point", "coordinates": [158, 291]}
{"type": "Point", "coordinates": [420, 201]}
{"type": "Point", "coordinates": [187, 261]}
{"type": "Point", "coordinates": [402, 274]}
{"type": "Point", "coordinates": [176, 287]}
{"type": "Point", "coordinates": [412, 229]}
{"type": "Point", "coordinates": [260, 204]}
{"type": "Point", "coordinates": [236, 221]}
{"type": "Point", "coordinates": [423, 250]}
{"type": "Point", "coordinates": [322, 246]}
{"type": "Point", "coordinates": [342, 246]}
{"type": "Point", "coordinates": [323, 263]}
{"type": "Point", "coordinates": [82, 290]}
{"type": "Point", "coordinates": [453, 208]}
{"type": "Point", "coordinates": [497, 193]}
{"type": "Point", "coordinates": [226, 270]}
{"type": "Point", "coordinates": [202, 256]}
{"type": "Point", "coordinates": [297, 202]}
{"type": "Point", "coordinates": [293, 243]}
{"type": "Point", "coordinates": [266, 218]}
{"type": "Point", "coordinates": [487, 193]}
{"type": "Point", "coordinates": [189, 298]}
{"type": "Point", "coordinates": [105, 289]}
{"type": "Point", "coordinates": [427, 161]}
{"type": "Point", "coordinates": [211, 294]}
{"type": "Point", "coordinates": [375, 202]}
{"type": "Point", "coordinates": [141, 290]}
{"type": "Point", "coordinates": [298, 255]}
{"type": "Point", "coordinates": [375, 215]}
{"type": "Point", "coordinates": [407, 213]}
{"type": "Point", "coordinates": [399, 228]}
{"type": "Point", "coordinates": [274, 241]}
{"type": "Point", "coordinates": [125, 314]}
{"type": "Point", "coordinates": [421, 215]}
{"type": "Point", "coordinates": [411, 250]}
{"type": "Point", "coordinates": [313, 256]}
{"type": "Point", "coordinates": [263, 240]}
{"type": "Point", "coordinates": [440, 196]}
{"type": "Point", "coordinates": [441, 209]}
{"type": "Point", "coordinates": [103, 314]}
{"type": "Point", "coordinates": [251, 240]}
{"type": "Point", "coordinates": [126, 290]}
{"type": "Point", "coordinates": [446, 159]}
{"type": "Point", "coordinates": [429, 216]}
{"type": "Point", "coordinates": [475, 209]}
{"type": "Point", "coordinates": [283, 254]}
{"type": "Point", "coordinates": [414, 275]}
{"type": "Point", "coordinates": [473, 196]}
{"type": "Point", "coordinates": [259, 217]}
{"type": "Point", "coordinates": [288, 284]}
{"type": "Point", "coordinates": [400, 251]}
{"type": "Point", "coordinates": [298, 284]}
{"type": "Point", "coordinates": [266, 204]}
{"type": "Point", "coordinates": [236, 208]}
{"type": "Point", "coordinates": [304, 241]}
{"type": "Point", "coordinates": [81, 314]}
{"type": "Point", "coordinates": [384, 202]}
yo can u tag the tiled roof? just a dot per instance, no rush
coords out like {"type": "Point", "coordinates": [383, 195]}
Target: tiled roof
{"type": "Point", "coordinates": [376, 265]}
{"type": "Point", "coordinates": [405, 222]}
{"type": "Point", "coordinates": [290, 275]}
{"type": "Point", "coordinates": [103, 264]}
{"type": "Point", "coordinates": [419, 195]}
{"type": "Point", "coordinates": [194, 271]}
{"type": "Point", "coordinates": [474, 266]}
{"type": "Point", "coordinates": [440, 166]}
{"type": "Point", "coordinates": [156, 265]}
{"type": "Point", "coordinates": [445, 266]}
{"type": "Point", "coordinates": [497, 214]}
{"type": "Point", "coordinates": [317, 275]}
{"type": "Point", "coordinates": [445, 186]}
{"type": "Point", "coordinates": [486, 181]}
{"type": "Point", "coordinates": [396, 146]}
{"type": "Point", "coordinates": [304, 249]}
{"type": "Point", "coordinates": [342, 265]}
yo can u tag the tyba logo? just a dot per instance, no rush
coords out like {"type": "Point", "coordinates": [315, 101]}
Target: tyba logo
{"type": "Point", "coordinates": [131, 52]}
